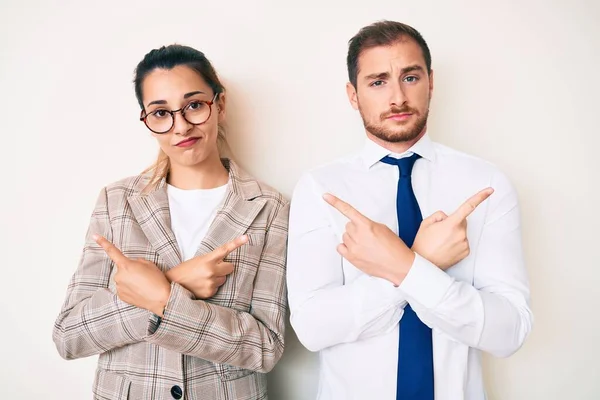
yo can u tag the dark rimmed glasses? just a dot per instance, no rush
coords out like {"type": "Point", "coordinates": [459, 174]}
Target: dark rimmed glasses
{"type": "Point", "coordinates": [196, 112]}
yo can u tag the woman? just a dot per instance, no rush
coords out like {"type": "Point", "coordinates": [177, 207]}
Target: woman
{"type": "Point", "coordinates": [181, 286]}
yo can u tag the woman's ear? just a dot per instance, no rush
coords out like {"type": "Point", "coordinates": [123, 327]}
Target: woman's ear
{"type": "Point", "coordinates": [220, 104]}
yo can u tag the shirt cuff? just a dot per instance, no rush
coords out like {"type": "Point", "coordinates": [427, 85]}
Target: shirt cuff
{"type": "Point", "coordinates": [426, 283]}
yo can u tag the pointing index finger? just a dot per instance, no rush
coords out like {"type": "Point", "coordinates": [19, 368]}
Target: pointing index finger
{"type": "Point", "coordinates": [224, 250]}
{"type": "Point", "coordinates": [471, 204]}
{"type": "Point", "coordinates": [352, 213]}
{"type": "Point", "coordinates": [111, 250]}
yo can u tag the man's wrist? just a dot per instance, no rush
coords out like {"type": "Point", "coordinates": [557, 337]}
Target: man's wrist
{"type": "Point", "coordinates": [401, 265]}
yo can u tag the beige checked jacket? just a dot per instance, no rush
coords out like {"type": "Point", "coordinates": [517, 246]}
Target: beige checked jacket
{"type": "Point", "coordinates": [218, 348]}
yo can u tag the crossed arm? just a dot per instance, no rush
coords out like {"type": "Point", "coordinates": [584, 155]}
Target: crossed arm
{"type": "Point", "coordinates": [95, 319]}
{"type": "Point", "coordinates": [492, 314]}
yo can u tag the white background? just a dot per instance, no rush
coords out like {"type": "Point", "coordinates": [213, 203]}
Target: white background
{"type": "Point", "coordinates": [516, 83]}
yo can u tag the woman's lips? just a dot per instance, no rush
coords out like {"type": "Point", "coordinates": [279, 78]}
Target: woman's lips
{"type": "Point", "coordinates": [188, 142]}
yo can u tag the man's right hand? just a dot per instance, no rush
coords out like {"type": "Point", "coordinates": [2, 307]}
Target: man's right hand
{"type": "Point", "coordinates": [442, 239]}
{"type": "Point", "coordinates": [203, 275]}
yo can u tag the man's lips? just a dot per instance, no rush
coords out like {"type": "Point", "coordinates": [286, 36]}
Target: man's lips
{"type": "Point", "coordinates": [399, 116]}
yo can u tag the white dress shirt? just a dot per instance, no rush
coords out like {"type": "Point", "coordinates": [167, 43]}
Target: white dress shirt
{"type": "Point", "coordinates": [479, 304]}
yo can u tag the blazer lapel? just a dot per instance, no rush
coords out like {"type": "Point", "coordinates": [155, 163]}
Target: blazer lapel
{"type": "Point", "coordinates": [240, 208]}
{"type": "Point", "coordinates": [152, 213]}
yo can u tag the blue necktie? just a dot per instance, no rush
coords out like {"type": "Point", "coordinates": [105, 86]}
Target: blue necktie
{"type": "Point", "coordinates": [415, 351]}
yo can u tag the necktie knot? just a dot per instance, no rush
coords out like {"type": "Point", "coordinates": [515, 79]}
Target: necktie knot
{"type": "Point", "coordinates": [405, 164]}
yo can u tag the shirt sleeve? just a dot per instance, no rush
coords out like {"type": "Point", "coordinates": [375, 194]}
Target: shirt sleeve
{"type": "Point", "coordinates": [325, 309]}
{"type": "Point", "coordinates": [493, 313]}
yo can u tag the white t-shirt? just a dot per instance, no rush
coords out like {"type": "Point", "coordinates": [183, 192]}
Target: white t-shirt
{"type": "Point", "coordinates": [192, 212]}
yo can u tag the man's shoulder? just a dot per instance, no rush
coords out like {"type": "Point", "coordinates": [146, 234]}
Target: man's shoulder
{"type": "Point", "coordinates": [448, 157]}
{"type": "Point", "coordinates": [470, 167]}
{"type": "Point", "coordinates": [450, 154]}
{"type": "Point", "coordinates": [336, 168]}
{"type": "Point", "coordinates": [316, 179]}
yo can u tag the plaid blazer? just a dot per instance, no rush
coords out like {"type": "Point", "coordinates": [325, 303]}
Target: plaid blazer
{"type": "Point", "coordinates": [219, 348]}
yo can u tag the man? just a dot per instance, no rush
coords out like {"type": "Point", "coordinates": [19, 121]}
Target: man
{"type": "Point", "coordinates": [401, 307]}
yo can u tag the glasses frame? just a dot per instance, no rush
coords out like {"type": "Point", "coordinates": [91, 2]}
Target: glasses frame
{"type": "Point", "coordinates": [144, 115]}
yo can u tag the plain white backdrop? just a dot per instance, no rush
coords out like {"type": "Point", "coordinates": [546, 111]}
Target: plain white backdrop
{"type": "Point", "coordinates": [516, 83]}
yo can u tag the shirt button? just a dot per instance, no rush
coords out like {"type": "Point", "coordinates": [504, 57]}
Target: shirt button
{"type": "Point", "coordinates": [176, 392]}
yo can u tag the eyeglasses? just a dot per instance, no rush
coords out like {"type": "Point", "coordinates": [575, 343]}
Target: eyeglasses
{"type": "Point", "coordinates": [195, 112]}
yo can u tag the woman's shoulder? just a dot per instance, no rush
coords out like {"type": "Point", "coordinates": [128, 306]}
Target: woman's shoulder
{"type": "Point", "coordinates": [129, 186]}
{"type": "Point", "coordinates": [270, 193]}
{"type": "Point", "coordinates": [251, 187]}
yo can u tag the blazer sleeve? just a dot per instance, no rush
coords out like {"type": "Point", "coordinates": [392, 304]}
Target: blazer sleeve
{"type": "Point", "coordinates": [93, 319]}
{"type": "Point", "coordinates": [251, 340]}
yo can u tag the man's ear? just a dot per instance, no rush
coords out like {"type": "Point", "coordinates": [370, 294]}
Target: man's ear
{"type": "Point", "coordinates": [352, 96]}
{"type": "Point", "coordinates": [430, 84]}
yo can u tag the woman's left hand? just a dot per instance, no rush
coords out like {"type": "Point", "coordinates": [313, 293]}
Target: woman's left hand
{"type": "Point", "coordinates": [139, 282]}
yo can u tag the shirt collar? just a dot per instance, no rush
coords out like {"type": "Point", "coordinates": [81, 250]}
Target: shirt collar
{"type": "Point", "coordinates": [372, 153]}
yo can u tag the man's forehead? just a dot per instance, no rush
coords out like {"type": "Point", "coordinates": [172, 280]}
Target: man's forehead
{"type": "Point", "coordinates": [388, 58]}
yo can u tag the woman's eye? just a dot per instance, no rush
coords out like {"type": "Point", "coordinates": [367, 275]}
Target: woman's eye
{"type": "Point", "coordinates": [160, 113]}
{"type": "Point", "coordinates": [195, 105]}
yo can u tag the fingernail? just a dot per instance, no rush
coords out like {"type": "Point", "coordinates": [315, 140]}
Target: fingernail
{"type": "Point", "coordinates": [95, 237]}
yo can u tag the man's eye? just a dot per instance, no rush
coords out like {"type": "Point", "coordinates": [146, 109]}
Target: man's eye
{"type": "Point", "coordinates": [377, 83]}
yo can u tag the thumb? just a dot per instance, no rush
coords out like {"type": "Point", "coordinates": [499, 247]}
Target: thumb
{"type": "Point", "coordinates": [437, 216]}
{"type": "Point", "coordinates": [224, 269]}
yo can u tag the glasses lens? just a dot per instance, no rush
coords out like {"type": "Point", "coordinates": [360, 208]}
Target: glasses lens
{"type": "Point", "coordinates": [197, 112]}
{"type": "Point", "coordinates": [159, 121]}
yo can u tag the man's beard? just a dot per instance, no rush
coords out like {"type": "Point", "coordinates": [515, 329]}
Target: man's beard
{"type": "Point", "coordinates": [400, 133]}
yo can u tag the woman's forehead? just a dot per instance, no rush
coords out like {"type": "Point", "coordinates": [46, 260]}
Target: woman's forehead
{"type": "Point", "coordinates": [173, 83]}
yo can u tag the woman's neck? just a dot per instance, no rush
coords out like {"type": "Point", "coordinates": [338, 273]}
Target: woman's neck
{"type": "Point", "coordinates": [208, 174]}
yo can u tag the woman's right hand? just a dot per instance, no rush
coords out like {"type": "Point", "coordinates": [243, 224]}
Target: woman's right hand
{"type": "Point", "coordinates": [203, 275]}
